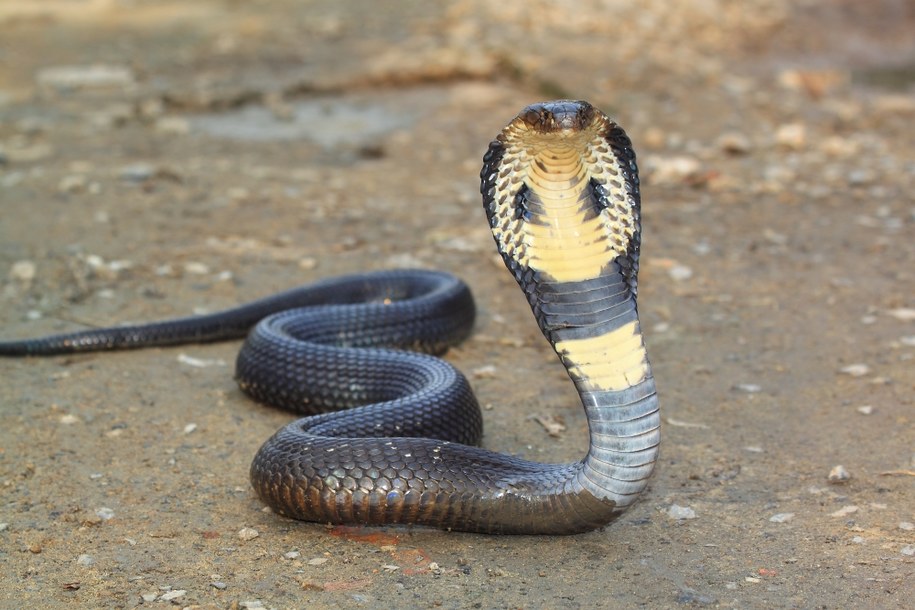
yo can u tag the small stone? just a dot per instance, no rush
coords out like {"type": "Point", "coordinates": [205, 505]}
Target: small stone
{"type": "Point", "coordinates": [6, 526]}
{"type": "Point", "coordinates": [858, 539]}
{"type": "Point", "coordinates": [170, 595]}
{"type": "Point", "coordinates": [904, 314]}
{"type": "Point", "coordinates": [218, 585]}
{"type": "Point", "coordinates": [74, 183]}
{"type": "Point", "coordinates": [838, 475]}
{"type": "Point", "coordinates": [104, 513]}
{"type": "Point", "coordinates": [791, 135]}
{"type": "Point", "coordinates": [173, 126]}
{"type": "Point", "coordinates": [23, 271]}
{"type": "Point", "coordinates": [671, 170]}
{"type": "Point", "coordinates": [69, 419]}
{"type": "Point", "coordinates": [487, 371]}
{"type": "Point", "coordinates": [291, 555]}
{"type": "Point", "coordinates": [680, 512]}
{"type": "Point", "coordinates": [85, 77]}
{"type": "Point", "coordinates": [781, 517]}
{"type": "Point", "coordinates": [254, 604]}
{"type": "Point", "coordinates": [85, 560]}
{"type": "Point", "coordinates": [137, 172]}
{"type": "Point", "coordinates": [248, 533]}
{"type": "Point", "coordinates": [680, 273]}
{"type": "Point", "coordinates": [734, 143]}
{"type": "Point", "coordinates": [749, 388]}
{"type": "Point", "coordinates": [908, 550]}
{"type": "Point", "coordinates": [844, 511]}
{"type": "Point", "coordinates": [855, 370]}
{"type": "Point", "coordinates": [196, 268]}
{"type": "Point", "coordinates": [317, 561]}
{"type": "Point", "coordinates": [149, 597]}
{"type": "Point", "coordinates": [865, 409]}
{"type": "Point", "coordinates": [908, 340]}
{"type": "Point", "coordinates": [189, 428]}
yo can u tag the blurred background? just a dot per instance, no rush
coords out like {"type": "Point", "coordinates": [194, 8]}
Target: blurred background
{"type": "Point", "coordinates": [159, 158]}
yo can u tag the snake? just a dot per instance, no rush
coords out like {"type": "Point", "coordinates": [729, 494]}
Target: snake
{"type": "Point", "coordinates": [390, 433]}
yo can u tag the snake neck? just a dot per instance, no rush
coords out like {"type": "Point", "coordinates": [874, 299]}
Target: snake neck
{"type": "Point", "coordinates": [564, 209]}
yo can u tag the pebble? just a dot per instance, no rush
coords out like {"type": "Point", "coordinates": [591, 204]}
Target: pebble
{"type": "Point", "coordinates": [219, 585]}
{"type": "Point", "coordinates": [734, 143]}
{"type": "Point", "coordinates": [781, 517]}
{"type": "Point", "coordinates": [85, 560]}
{"type": "Point", "coordinates": [671, 170]}
{"type": "Point", "coordinates": [791, 135]}
{"type": "Point", "coordinates": [317, 561]}
{"type": "Point", "coordinates": [680, 512]}
{"type": "Point", "coordinates": [858, 539]}
{"type": "Point", "coordinates": [855, 370]}
{"type": "Point", "coordinates": [137, 172]}
{"type": "Point", "coordinates": [24, 270]}
{"type": "Point", "coordinates": [170, 595]}
{"type": "Point", "coordinates": [844, 511]}
{"type": "Point", "coordinates": [248, 533]}
{"type": "Point", "coordinates": [104, 513]}
{"type": "Point", "coordinates": [196, 268]}
{"type": "Point", "coordinates": [254, 604]}
{"type": "Point", "coordinates": [903, 525]}
{"type": "Point", "coordinates": [69, 419]}
{"type": "Point", "coordinates": [149, 597]}
{"type": "Point", "coordinates": [92, 76]}
{"type": "Point", "coordinates": [865, 409]}
{"type": "Point", "coordinates": [908, 550]}
{"type": "Point", "coordinates": [487, 371]}
{"type": "Point", "coordinates": [680, 273]}
{"type": "Point", "coordinates": [291, 555]}
{"type": "Point", "coordinates": [189, 428]}
{"type": "Point", "coordinates": [72, 184]}
{"type": "Point", "coordinates": [838, 475]}
{"type": "Point", "coordinates": [749, 388]}
{"type": "Point", "coordinates": [904, 314]}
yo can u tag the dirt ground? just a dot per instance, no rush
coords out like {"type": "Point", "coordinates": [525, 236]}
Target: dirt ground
{"type": "Point", "coordinates": [161, 158]}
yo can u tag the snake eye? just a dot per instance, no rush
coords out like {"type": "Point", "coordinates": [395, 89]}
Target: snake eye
{"type": "Point", "coordinates": [533, 117]}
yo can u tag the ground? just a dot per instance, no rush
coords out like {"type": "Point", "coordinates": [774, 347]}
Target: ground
{"type": "Point", "coordinates": [162, 158]}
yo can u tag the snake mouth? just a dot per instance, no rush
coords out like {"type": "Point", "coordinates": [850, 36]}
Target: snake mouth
{"type": "Point", "coordinates": [558, 116]}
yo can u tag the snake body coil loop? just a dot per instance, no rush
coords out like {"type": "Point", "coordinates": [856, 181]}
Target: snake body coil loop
{"type": "Point", "coordinates": [560, 189]}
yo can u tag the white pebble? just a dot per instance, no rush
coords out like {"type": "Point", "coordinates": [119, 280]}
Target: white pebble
{"type": "Point", "coordinates": [190, 428]}
{"type": "Point", "coordinates": [85, 560]}
{"type": "Point", "coordinates": [908, 550]}
{"type": "Point", "coordinates": [865, 409]}
{"type": "Point", "coordinates": [91, 76]}
{"type": "Point", "coordinates": [196, 268]}
{"type": "Point", "coordinates": [838, 475]}
{"type": "Point", "coordinates": [858, 539]}
{"type": "Point", "coordinates": [24, 271]}
{"type": "Point", "coordinates": [791, 135]}
{"type": "Point", "coordinates": [69, 419]}
{"type": "Point", "coordinates": [904, 314]}
{"type": "Point", "coordinates": [104, 513]}
{"type": "Point", "coordinates": [855, 370]}
{"type": "Point", "coordinates": [781, 517]}
{"type": "Point", "coordinates": [149, 597]}
{"type": "Point", "coordinates": [749, 388]}
{"type": "Point", "coordinates": [317, 561]}
{"type": "Point", "coordinates": [905, 525]}
{"type": "Point", "coordinates": [680, 512]}
{"type": "Point", "coordinates": [170, 595]}
{"type": "Point", "coordinates": [680, 273]}
{"type": "Point", "coordinates": [291, 555]}
{"type": "Point", "coordinates": [844, 511]}
{"type": "Point", "coordinates": [248, 533]}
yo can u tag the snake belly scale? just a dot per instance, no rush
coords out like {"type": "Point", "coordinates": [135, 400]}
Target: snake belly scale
{"type": "Point", "coordinates": [390, 436]}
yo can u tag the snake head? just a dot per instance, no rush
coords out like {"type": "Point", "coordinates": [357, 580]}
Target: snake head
{"type": "Point", "coordinates": [559, 115]}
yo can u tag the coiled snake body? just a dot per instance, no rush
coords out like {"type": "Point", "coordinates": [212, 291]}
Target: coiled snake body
{"type": "Point", "coordinates": [560, 189]}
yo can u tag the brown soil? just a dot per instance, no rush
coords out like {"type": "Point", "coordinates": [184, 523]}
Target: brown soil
{"type": "Point", "coordinates": [219, 151]}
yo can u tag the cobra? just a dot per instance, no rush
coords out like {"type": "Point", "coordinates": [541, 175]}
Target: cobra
{"type": "Point", "coordinates": [561, 192]}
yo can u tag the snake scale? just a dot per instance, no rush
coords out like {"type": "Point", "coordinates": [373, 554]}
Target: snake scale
{"type": "Point", "coordinates": [390, 436]}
